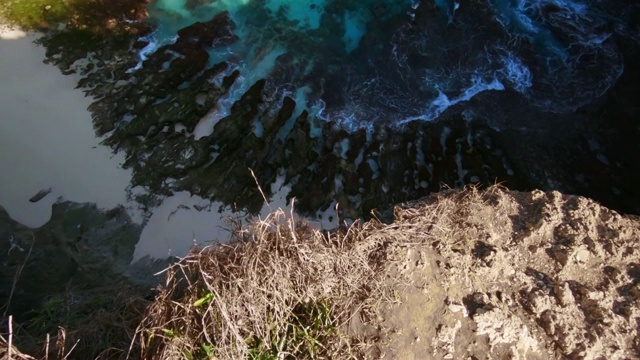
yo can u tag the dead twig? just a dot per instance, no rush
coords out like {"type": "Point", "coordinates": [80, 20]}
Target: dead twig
{"type": "Point", "coordinates": [17, 275]}
{"type": "Point", "coordinates": [260, 189]}
{"type": "Point", "coordinates": [10, 347]}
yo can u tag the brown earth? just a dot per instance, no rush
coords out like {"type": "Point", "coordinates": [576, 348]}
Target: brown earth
{"type": "Point", "coordinates": [509, 275]}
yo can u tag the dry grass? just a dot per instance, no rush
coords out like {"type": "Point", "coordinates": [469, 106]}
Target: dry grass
{"type": "Point", "coordinates": [9, 351]}
{"type": "Point", "coordinates": [279, 289]}
{"type": "Point", "coordinates": [96, 323]}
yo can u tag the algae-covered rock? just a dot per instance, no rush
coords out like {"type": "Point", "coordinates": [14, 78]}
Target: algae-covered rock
{"type": "Point", "coordinates": [98, 17]}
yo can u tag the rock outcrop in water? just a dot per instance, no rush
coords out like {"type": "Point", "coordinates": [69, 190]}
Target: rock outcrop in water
{"type": "Point", "coordinates": [150, 109]}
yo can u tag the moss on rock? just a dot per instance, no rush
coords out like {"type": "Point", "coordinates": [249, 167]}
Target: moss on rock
{"type": "Point", "coordinates": [119, 16]}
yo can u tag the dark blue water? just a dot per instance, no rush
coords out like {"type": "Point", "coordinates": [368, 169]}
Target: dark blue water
{"type": "Point", "coordinates": [362, 63]}
{"type": "Point", "coordinates": [369, 103]}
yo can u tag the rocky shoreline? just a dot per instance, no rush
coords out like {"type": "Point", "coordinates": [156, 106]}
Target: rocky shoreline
{"type": "Point", "coordinates": [461, 274]}
{"type": "Point", "coordinates": [558, 270]}
{"type": "Point", "coordinates": [151, 114]}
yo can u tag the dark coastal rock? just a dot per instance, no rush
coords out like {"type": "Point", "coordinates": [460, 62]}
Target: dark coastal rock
{"type": "Point", "coordinates": [40, 195]}
{"type": "Point", "coordinates": [152, 96]}
{"type": "Point", "coordinates": [81, 246]}
{"type": "Point", "coordinates": [229, 132]}
{"type": "Point", "coordinates": [216, 32]}
{"type": "Point", "coordinates": [399, 166]}
{"type": "Point", "coordinates": [496, 137]}
{"type": "Point", "coordinates": [143, 108]}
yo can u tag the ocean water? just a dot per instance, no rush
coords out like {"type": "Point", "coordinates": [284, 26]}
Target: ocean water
{"type": "Point", "coordinates": [385, 63]}
{"type": "Point", "coordinates": [46, 139]}
{"type": "Point", "coordinates": [378, 66]}
{"type": "Point", "coordinates": [47, 143]}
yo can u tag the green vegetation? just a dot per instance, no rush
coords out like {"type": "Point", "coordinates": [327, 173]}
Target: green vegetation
{"type": "Point", "coordinates": [114, 16]}
{"type": "Point", "coordinates": [308, 328]}
{"type": "Point", "coordinates": [36, 14]}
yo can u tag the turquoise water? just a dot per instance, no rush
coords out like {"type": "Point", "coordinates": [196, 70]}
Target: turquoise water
{"type": "Point", "coordinates": [355, 23]}
{"type": "Point", "coordinates": [268, 29]}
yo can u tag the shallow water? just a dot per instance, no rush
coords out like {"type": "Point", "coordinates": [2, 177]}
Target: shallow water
{"type": "Point", "coordinates": [47, 141]}
{"type": "Point", "coordinates": [176, 225]}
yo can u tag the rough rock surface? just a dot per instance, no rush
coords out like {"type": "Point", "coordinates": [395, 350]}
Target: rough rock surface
{"type": "Point", "coordinates": [509, 275]}
{"type": "Point", "coordinates": [80, 247]}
